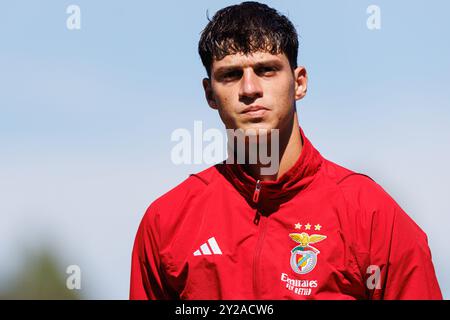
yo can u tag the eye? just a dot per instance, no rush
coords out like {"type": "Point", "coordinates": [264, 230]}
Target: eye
{"type": "Point", "coordinates": [266, 71]}
{"type": "Point", "coordinates": [232, 75]}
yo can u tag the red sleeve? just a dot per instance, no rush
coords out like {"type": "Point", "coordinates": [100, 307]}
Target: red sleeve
{"type": "Point", "coordinates": [399, 248]}
{"type": "Point", "coordinates": [397, 259]}
{"type": "Point", "coordinates": [401, 251]}
{"type": "Point", "coordinates": [147, 276]}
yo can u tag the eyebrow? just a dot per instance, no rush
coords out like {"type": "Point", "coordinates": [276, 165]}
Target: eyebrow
{"type": "Point", "coordinates": [224, 69]}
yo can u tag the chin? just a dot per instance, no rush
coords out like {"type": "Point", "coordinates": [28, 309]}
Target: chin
{"type": "Point", "coordinates": [258, 128]}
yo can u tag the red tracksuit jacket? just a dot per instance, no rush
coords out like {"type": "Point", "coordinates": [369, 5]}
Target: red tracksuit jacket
{"type": "Point", "coordinates": [319, 232]}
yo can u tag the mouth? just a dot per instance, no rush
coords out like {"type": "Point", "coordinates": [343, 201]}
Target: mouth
{"type": "Point", "coordinates": [255, 111]}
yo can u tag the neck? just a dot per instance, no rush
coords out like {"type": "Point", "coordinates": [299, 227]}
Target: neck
{"type": "Point", "coordinates": [290, 147]}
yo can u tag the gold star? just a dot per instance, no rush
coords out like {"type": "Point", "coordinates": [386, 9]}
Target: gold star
{"type": "Point", "coordinates": [298, 225]}
{"type": "Point", "coordinates": [317, 227]}
{"type": "Point", "coordinates": [307, 226]}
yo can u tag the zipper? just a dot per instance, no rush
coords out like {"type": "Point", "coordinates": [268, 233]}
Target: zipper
{"type": "Point", "coordinates": [257, 191]}
{"type": "Point", "coordinates": [256, 257]}
{"type": "Point", "coordinates": [260, 241]}
{"type": "Point", "coordinates": [255, 200]}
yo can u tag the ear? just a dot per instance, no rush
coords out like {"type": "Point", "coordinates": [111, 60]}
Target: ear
{"type": "Point", "coordinates": [209, 94]}
{"type": "Point", "coordinates": [301, 82]}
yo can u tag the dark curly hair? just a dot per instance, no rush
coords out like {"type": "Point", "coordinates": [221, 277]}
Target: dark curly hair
{"type": "Point", "coordinates": [245, 28]}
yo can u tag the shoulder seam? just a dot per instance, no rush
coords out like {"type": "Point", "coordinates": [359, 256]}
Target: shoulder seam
{"type": "Point", "coordinates": [200, 178]}
{"type": "Point", "coordinates": [352, 174]}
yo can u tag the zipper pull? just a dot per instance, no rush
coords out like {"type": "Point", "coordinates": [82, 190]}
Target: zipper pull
{"type": "Point", "coordinates": [255, 200]}
{"type": "Point", "coordinates": [257, 217]}
{"type": "Point", "coordinates": [257, 191]}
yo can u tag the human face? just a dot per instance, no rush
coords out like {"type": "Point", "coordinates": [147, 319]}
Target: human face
{"type": "Point", "coordinates": [255, 91]}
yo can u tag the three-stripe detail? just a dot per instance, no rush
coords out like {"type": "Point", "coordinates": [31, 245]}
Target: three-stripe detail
{"type": "Point", "coordinates": [208, 248]}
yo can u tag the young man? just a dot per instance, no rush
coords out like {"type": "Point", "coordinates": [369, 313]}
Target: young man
{"type": "Point", "coordinates": [310, 230]}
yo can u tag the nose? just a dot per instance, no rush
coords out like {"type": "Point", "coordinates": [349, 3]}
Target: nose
{"type": "Point", "coordinates": [250, 87]}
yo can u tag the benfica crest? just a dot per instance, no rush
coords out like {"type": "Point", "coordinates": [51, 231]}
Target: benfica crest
{"type": "Point", "coordinates": [304, 256]}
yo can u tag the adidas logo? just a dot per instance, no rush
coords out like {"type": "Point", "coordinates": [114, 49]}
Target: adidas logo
{"type": "Point", "coordinates": [206, 250]}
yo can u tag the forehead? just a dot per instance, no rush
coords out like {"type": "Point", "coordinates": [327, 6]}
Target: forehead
{"type": "Point", "coordinates": [248, 60]}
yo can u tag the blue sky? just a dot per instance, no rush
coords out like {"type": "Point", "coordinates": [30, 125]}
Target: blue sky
{"type": "Point", "coordinates": [86, 116]}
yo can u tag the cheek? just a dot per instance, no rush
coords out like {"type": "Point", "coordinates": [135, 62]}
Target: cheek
{"type": "Point", "coordinates": [226, 102]}
{"type": "Point", "coordinates": [222, 96]}
{"type": "Point", "coordinates": [284, 95]}
{"type": "Point", "coordinates": [226, 111]}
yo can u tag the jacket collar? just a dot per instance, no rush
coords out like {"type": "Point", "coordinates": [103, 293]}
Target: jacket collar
{"type": "Point", "coordinates": [273, 193]}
